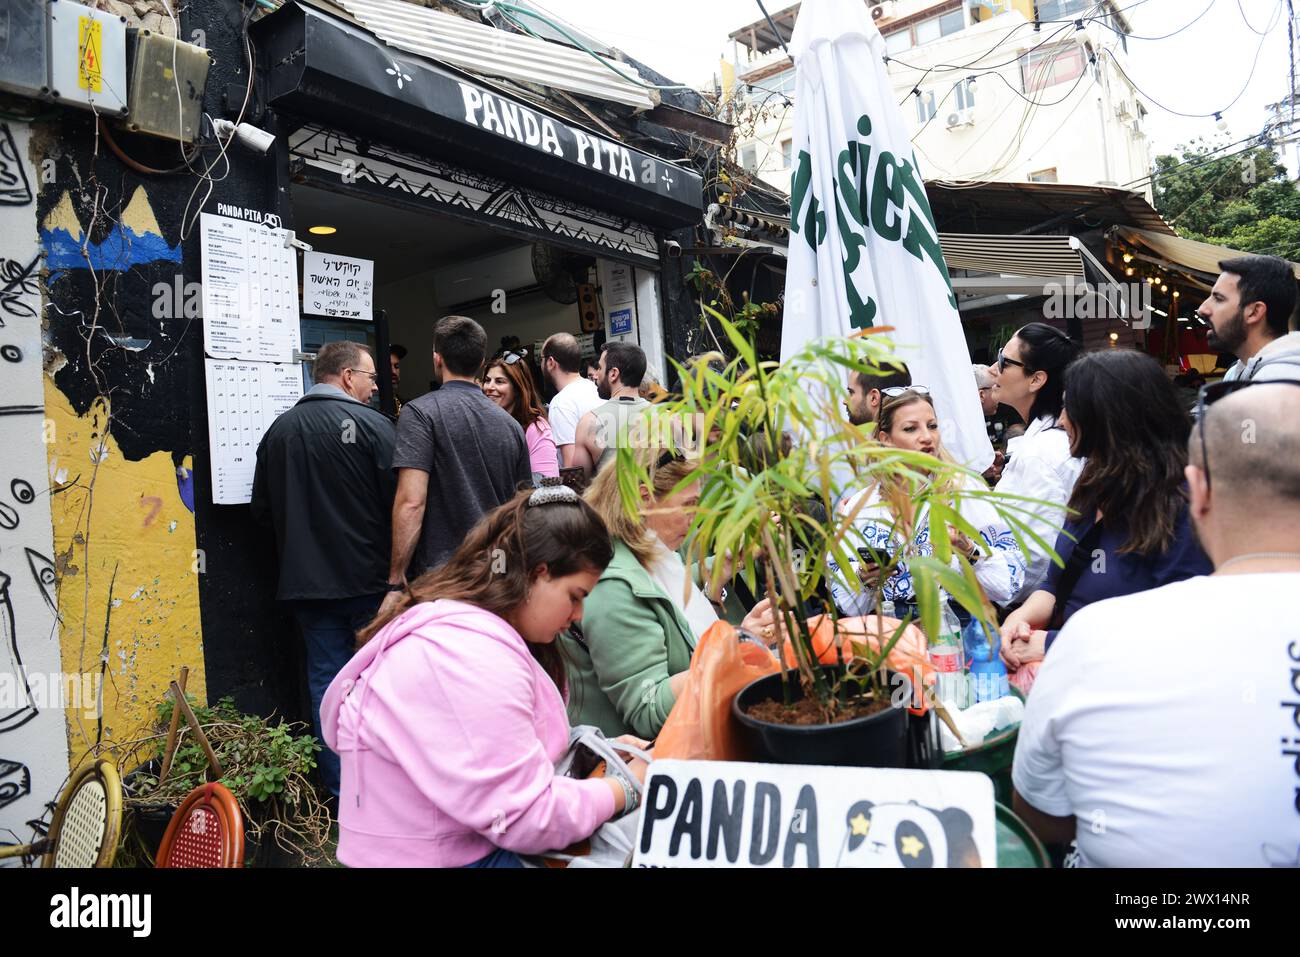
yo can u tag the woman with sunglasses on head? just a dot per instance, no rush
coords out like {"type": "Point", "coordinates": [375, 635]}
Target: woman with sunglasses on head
{"type": "Point", "coordinates": [890, 527]}
{"type": "Point", "coordinates": [1039, 463]}
{"type": "Point", "coordinates": [640, 626]}
{"type": "Point", "coordinates": [1130, 530]}
{"type": "Point", "coordinates": [450, 718]}
{"type": "Point", "coordinates": [509, 383]}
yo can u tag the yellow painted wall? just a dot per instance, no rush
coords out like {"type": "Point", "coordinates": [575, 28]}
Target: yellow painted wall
{"type": "Point", "coordinates": [120, 524]}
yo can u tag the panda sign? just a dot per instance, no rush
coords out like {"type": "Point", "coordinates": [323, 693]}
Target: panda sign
{"type": "Point", "coordinates": [732, 814]}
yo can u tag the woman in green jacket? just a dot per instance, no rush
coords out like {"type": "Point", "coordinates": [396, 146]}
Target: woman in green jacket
{"type": "Point", "coordinates": [641, 622]}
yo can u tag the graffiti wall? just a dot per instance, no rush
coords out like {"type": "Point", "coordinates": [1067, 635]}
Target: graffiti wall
{"type": "Point", "coordinates": [116, 396]}
{"type": "Point", "coordinates": [33, 734]}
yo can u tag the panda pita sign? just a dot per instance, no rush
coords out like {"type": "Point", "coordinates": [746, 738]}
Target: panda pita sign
{"type": "Point", "coordinates": [732, 814]}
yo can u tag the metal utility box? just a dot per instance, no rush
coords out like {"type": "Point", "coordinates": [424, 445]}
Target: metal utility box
{"type": "Point", "coordinates": [24, 47]}
{"type": "Point", "coordinates": [160, 69]}
{"type": "Point", "coordinates": [87, 58]}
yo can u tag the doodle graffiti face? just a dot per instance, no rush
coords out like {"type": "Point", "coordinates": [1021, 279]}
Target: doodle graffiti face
{"type": "Point", "coordinates": [11, 353]}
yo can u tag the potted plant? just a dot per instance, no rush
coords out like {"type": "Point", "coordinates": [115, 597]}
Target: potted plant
{"type": "Point", "coordinates": [267, 764]}
{"type": "Point", "coordinates": [771, 506]}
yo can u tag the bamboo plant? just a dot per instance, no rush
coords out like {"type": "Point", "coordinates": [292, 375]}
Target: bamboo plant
{"type": "Point", "coordinates": [755, 507]}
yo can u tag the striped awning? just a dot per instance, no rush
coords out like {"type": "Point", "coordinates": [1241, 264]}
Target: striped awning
{"type": "Point", "coordinates": [1046, 257]}
{"type": "Point", "coordinates": [485, 50]}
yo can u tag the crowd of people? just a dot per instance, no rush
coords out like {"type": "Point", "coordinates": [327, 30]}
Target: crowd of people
{"type": "Point", "coordinates": [496, 607]}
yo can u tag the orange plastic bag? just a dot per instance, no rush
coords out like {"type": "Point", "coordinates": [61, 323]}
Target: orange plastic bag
{"type": "Point", "coordinates": [699, 728]}
{"type": "Point", "coordinates": [908, 656]}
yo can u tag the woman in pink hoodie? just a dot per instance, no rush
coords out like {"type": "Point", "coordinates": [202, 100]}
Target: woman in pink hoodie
{"type": "Point", "coordinates": [449, 720]}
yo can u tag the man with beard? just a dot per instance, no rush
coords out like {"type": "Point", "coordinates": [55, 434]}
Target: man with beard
{"type": "Point", "coordinates": [618, 381]}
{"type": "Point", "coordinates": [1164, 727]}
{"type": "Point", "coordinates": [1249, 310]}
{"type": "Point", "coordinates": [864, 392]}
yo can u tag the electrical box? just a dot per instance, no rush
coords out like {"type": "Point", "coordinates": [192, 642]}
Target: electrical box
{"type": "Point", "coordinates": [167, 82]}
{"type": "Point", "coordinates": [87, 58]}
{"type": "Point", "coordinates": [24, 48]}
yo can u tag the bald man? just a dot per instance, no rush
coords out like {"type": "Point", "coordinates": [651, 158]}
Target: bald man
{"type": "Point", "coordinates": [1167, 732]}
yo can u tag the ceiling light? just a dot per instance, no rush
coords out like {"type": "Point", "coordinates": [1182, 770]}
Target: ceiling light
{"type": "Point", "coordinates": [1128, 271]}
{"type": "Point", "coordinates": [323, 230]}
{"type": "Point", "coordinates": [1114, 337]}
{"type": "Point", "coordinates": [1164, 288]}
{"type": "Point", "coordinates": [1128, 257]}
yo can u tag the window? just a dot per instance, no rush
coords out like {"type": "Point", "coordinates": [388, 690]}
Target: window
{"type": "Point", "coordinates": [1044, 176]}
{"type": "Point", "coordinates": [787, 153]}
{"type": "Point", "coordinates": [1060, 9]}
{"type": "Point", "coordinates": [963, 95]}
{"type": "Point", "coordinates": [782, 83]}
{"type": "Point", "coordinates": [941, 26]}
{"type": "Point", "coordinates": [1060, 64]}
{"type": "Point", "coordinates": [749, 158]}
{"type": "Point", "coordinates": [898, 41]}
{"type": "Point", "coordinates": [925, 106]}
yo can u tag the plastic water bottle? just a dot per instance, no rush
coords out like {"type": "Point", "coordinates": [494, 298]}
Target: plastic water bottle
{"type": "Point", "coordinates": [988, 673]}
{"type": "Point", "coordinates": [949, 659]}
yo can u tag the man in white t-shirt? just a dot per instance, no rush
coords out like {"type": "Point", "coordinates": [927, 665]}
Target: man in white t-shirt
{"type": "Point", "coordinates": [575, 394]}
{"type": "Point", "coordinates": [1164, 728]}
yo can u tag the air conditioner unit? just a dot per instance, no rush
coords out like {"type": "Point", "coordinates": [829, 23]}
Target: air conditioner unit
{"type": "Point", "coordinates": [960, 118]}
{"type": "Point", "coordinates": [532, 267]}
{"type": "Point", "coordinates": [880, 11]}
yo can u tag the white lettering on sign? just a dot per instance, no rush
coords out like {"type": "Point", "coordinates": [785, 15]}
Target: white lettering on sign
{"type": "Point", "coordinates": [517, 122]}
{"type": "Point", "coordinates": [732, 814]}
{"type": "Point", "coordinates": [338, 286]}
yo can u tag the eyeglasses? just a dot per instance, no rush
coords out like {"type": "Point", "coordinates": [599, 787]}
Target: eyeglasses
{"type": "Point", "coordinates": [1004, 361]}
{"type": "Point", "coordinates": [1212, 393]}
{"type": "Point", "coordinates": [510, 358]}
{"type": "Point", "coordinates": [373, 375]}
{"type": "Point", "coordinates": [894, 391]}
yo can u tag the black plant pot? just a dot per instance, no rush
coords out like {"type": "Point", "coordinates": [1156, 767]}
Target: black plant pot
{"type": "Point", "coordinates": [891, 738]}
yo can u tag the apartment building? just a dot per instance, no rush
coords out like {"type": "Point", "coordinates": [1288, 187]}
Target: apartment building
{"type": "Point", "coordinates": [995, 90]}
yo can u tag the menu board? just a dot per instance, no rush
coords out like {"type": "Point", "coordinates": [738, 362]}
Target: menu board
{"type": "Point", "coordinates": [250, 291]}
{"type": "Point", "coordinates": [244, 398]}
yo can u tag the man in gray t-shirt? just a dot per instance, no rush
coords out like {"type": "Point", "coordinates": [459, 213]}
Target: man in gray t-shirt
{"type": "Point", "coordinates": [607, 427]}
{"type": "Point", "coordinates": [458, 455]}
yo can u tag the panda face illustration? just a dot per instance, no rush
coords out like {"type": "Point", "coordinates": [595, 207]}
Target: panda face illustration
{"type": "Point", "coordinates": [907, 835]}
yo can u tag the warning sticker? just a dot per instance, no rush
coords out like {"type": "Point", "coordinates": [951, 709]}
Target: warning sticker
{"type": "Point", "coordinates": [90, 75]}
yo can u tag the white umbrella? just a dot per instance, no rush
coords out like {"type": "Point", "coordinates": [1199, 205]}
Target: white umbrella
{"type": "Point", "coordinates": [864, 250]}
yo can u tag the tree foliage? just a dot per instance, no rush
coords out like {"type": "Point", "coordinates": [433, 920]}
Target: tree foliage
{"type": "Point", "coordinates": [1246, 201]}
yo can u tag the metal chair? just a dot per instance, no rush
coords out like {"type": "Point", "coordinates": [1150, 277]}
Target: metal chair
{"type": "Point", "coordinates": [207, 830]}
{"type": "Point", "coordinates": [87, 821]}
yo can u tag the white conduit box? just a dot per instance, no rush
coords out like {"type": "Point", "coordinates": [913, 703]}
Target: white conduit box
{"type": "Point", "coordinates": [87, 58]}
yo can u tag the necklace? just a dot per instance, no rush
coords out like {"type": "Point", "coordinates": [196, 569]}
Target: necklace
{"type": "Point", "coordinates": [1254, 555]}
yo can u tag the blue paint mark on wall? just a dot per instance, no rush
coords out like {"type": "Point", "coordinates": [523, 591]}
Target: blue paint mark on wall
{"type": "Point", "coordinates": [120, 250]}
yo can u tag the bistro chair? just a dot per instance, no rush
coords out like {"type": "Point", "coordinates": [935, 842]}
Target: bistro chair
{"type": "Point", "coordinates": [87, 821]}
{"type": "Point", "coordinates": [207, 830]}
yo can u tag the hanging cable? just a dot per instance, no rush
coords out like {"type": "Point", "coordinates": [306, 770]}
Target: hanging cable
{"type": "Point", "coordinates": [1223, 109]}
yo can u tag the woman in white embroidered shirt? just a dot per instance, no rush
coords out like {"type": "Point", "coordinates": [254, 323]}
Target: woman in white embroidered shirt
{"type": "Point", "coordinates": [1031, 370]}
{"type": "Point", "coordinates": [888, 523]}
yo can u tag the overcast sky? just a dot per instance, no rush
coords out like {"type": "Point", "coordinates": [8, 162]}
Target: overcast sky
{"type": "Point", "coordinates": [1199, 70]}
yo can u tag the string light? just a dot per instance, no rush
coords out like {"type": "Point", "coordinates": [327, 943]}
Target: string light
{"type": "Point", "coordinates": [1128, 257]}
{"type": "Point", "coordinates": [1128, 271]}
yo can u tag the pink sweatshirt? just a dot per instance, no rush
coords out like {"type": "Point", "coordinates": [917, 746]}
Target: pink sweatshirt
{"type": "Point", "coordinates": [448, 731]}
{"type": "Point", "coordinates": [541, 448]}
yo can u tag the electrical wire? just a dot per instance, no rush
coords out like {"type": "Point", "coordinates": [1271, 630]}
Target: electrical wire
{"type": "Point", "coordinates": [1254, 64]}
{"type": "Point", "coordinates": [187, 223]}
{"type": "Point", "coordinates": [1246, 19]}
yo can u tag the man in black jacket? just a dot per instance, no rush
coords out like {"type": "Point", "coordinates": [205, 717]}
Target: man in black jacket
{"type": "Point", "coordinates": [325, 483]}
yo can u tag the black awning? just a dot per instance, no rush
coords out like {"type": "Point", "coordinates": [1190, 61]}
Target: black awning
{"type": "Point", "coordinates": [325, 69]}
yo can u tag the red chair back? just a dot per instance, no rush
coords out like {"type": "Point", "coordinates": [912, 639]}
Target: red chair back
{"type": "Point", "coordinates": [207, 830]}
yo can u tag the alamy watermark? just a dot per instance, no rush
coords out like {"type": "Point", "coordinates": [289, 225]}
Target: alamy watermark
{"type": "Point", "coordinates": [54, 689]}
{"type": "Point", "coordinates": [1130, 302]}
